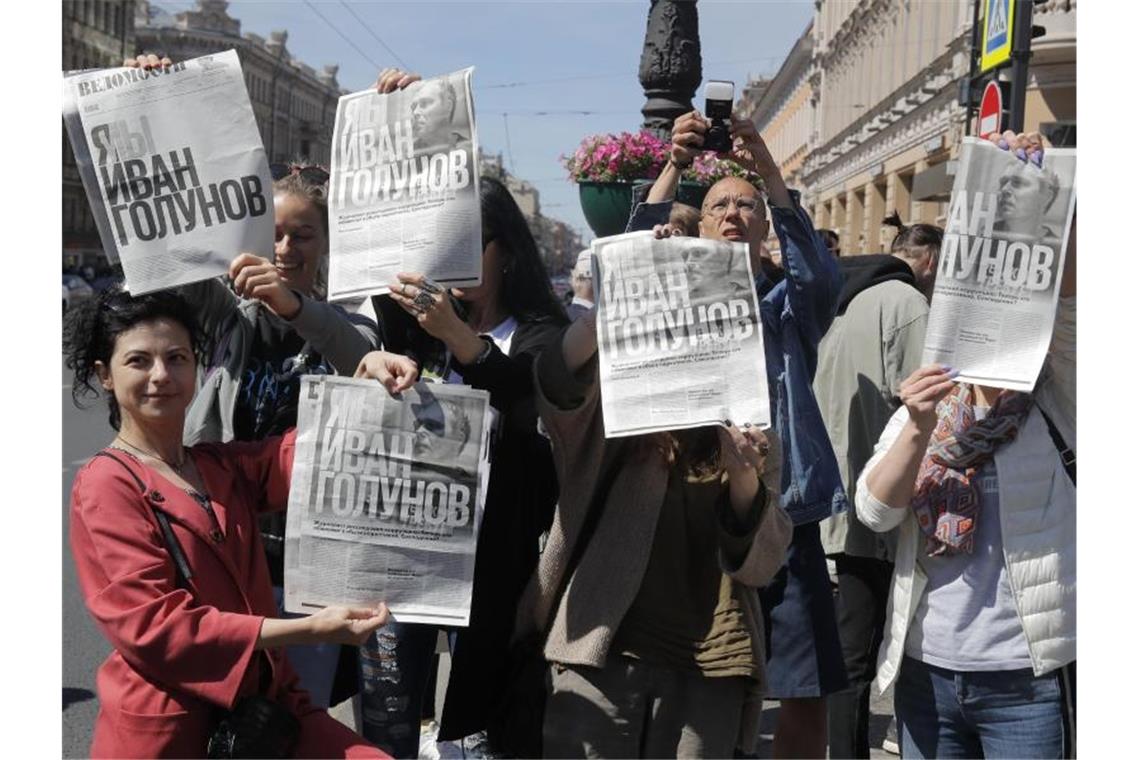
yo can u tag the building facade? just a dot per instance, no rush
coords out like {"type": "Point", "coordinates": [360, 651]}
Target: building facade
{"type": "Point", "coordinates": [558, 243]}
{"type": "Point", "coordinates": [880, 92]}
{"type": "Point", "coordinates": [294, 104]}
{"type": "Point", "coordinates": [96, 34]}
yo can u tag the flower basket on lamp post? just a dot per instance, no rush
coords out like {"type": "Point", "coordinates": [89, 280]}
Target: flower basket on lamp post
{"type": "Point", "coordinates": [609, 167]}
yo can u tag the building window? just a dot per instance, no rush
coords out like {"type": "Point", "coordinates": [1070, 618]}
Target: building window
{"type": "Point", "coordinates": [1062, 134]}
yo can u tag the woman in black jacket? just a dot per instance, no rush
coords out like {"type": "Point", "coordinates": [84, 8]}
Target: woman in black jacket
{"type": "Point", "coordinates": [486, 337]}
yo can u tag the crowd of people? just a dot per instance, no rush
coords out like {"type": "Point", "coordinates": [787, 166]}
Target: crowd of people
{"type": "Point", "coordinates": [669, 582]}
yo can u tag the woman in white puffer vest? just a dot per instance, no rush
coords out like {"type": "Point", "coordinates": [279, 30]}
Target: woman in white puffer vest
{"type": "Point", "coordinates": [980, 643]}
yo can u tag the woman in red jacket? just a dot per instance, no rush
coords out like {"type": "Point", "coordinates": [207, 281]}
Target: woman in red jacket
{"type": "Point", "coordinates": [167, 550]}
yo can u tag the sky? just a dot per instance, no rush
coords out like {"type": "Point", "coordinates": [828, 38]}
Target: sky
{"type": "Point", "coordinates": [533, 62]}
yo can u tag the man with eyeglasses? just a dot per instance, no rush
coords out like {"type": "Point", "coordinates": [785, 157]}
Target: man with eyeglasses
{"type": "Point", "coordinates": [798, 302]}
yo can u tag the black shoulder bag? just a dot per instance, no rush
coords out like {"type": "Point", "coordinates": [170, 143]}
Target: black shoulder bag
{"type": "Point", "coordinates": [256, 726]}
{"type": "Point", "coordinates": [515, 722]}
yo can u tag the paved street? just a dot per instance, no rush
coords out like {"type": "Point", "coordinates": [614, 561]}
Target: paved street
{"type": "Point", "coordinates": [84, 432]}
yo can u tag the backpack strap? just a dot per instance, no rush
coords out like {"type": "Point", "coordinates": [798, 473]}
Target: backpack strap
{"type": "Point", "coordinates": [182, 570]}
{"type": "Point", "coordinates": [1068, 456]}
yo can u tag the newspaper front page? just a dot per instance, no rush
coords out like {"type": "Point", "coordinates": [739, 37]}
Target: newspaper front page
{"type": "Point", "coordinates": [999, 273]}
{"type": "Point", "coordinates": [173, 167]}
{"type": "Point", "coordinates": [680, 343]}
{"type": "Point", "coordinates": [387, 498]}
{"type": "Point", "coordinates": [404, 192]}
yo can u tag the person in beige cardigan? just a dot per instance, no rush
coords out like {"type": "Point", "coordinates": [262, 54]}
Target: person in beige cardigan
{"type": "Point", "coordinates": [657, 647]}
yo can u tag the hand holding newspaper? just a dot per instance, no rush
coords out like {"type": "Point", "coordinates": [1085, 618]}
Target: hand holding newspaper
{"type": "Point", "coordinates": [176, 192]}
{"type": "Point", "coordinates": [680, 343]}
{"type": "Point", "coordinates": [999, 273]}
{"type": "Point", "coordinates": [387, 498]}
{"type": "Point", "coordinates": [404, 191]}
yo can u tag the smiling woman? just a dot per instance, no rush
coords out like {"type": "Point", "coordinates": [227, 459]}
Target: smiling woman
{"type": "Point", "coordinates": [168, 561]}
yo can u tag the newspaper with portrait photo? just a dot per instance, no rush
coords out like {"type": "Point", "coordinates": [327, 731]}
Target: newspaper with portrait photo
{"type": "Point", "coordinates": [387, 498]}
{"type": "Point", "coordinates": [404, 190]}
{"type": "Point", "coordinates": [999, 272]}
{"type": "Point", "coordinates": [680, 343]}
{"type": "Point", "coordinates": [175, 191]}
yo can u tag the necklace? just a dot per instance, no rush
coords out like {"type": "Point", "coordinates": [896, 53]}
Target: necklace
{"type": "Point", "coordinates": [175, 466]}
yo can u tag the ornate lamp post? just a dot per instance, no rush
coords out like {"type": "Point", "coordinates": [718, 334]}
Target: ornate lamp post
{"type": "Point", "coordinates": [670, 63]}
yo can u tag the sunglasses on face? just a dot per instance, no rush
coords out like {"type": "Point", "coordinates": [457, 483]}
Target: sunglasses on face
{"type": "Point", "coordinates": [310, 173]}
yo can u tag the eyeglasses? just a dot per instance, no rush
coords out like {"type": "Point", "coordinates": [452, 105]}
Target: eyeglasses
{"type": "Point", "coordinates": [743, 205]}
{"type": "Point", "coordinates": [310, 173]}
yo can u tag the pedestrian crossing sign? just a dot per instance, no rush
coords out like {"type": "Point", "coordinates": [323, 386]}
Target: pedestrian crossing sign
{"type": "Point", "coordinates": [997, 33]}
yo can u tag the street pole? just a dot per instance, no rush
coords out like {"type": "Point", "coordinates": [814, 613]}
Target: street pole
{"type": "Point", "coordinates": [1020, 53]}
{"type": "Point", "coordinates": [670, 63]}
{"type": "Point", "coordinates": [975, 51]}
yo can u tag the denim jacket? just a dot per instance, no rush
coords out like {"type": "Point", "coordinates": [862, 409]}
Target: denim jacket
{"type": "Point", "coordinates": [796, 312]}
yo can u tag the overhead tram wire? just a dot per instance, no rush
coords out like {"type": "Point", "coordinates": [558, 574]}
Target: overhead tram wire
{"type": "Point", "coordinates": [375, 36]}
{"type": "Point", "coordinates": [583, 77]}
{"type": "Point", "coordinates": [352, 44]}
{"type": "Point", "coordinates": [892, 46]}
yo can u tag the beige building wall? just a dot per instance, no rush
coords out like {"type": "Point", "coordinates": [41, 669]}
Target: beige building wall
{"type": "Point", "coordinates": [294, 104]}
{"type": "Point", "coordinates": [878, 80]}
{"type": "Point", "coordinates": [96, 34]}
{"type": "Point", "coordinates": [886, 73]}
{"type": "Point", "coordinates": [784, 115]}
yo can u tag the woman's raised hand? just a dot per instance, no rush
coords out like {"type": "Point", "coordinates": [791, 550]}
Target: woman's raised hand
{"type": "Point", "coordinates": [395, 372]}
{"type": "Point", "coordinates": [391, 80]}
{"type": "Point", "coordinates": [922, 391]}
{"type": "Point", "coordinates": [346, 625]}
{"type": "Point", "coordinates": [255, 277]}
{"type": "Point", "coordinates": [743, 450]}
{"type": "Point", "coordinates": [147, 61]}
{"type": "Point", "coordinates": [661, 231]}
{"type": "Point", "coordinates": [1027, 146]}
{"type": "Point", "coordinates": [428, 302]}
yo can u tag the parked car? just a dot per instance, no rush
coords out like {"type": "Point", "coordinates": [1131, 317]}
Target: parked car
{"type": "Point", "coordinates": [77, 289]}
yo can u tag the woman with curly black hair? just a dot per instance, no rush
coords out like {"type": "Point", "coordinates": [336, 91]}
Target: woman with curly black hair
{"type": "Point", "coordinates": [168, 555]}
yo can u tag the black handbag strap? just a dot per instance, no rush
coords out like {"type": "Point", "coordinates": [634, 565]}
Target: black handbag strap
{"type": "Point", "coordinates": [602, 488]}
{"type": "Point", "coordinates": [1068, 456]}
{"type": "Point", "coordinates": [182, 570]}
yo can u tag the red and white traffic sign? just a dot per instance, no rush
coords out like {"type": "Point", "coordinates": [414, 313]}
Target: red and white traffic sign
{"type": "Point", "coordinates": [989, 115]}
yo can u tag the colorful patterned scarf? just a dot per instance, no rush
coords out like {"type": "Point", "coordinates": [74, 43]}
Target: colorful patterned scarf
{"type": "Point", "coordinates": [947, 492]}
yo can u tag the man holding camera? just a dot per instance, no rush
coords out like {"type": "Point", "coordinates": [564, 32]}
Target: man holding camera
{"type": "Point", "coordinates": [804, 659]}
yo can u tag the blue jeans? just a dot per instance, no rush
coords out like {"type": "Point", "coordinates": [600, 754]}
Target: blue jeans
{"type": "Point", "coordinates": [952, 714]}
{"type": "Point", "coordinates": [394, 668]}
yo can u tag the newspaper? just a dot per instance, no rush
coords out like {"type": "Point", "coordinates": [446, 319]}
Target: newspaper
{"type": "Point", "coordinates": [387, 498]}
{"type": "Point", "coordinates": [173, 166]}
{"type": "Point", "coordinates": [680, 343]}
{"type": "Point", "coordinates": [999, 273]}
{"type": "Point", "coordinates": [404, 191]}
